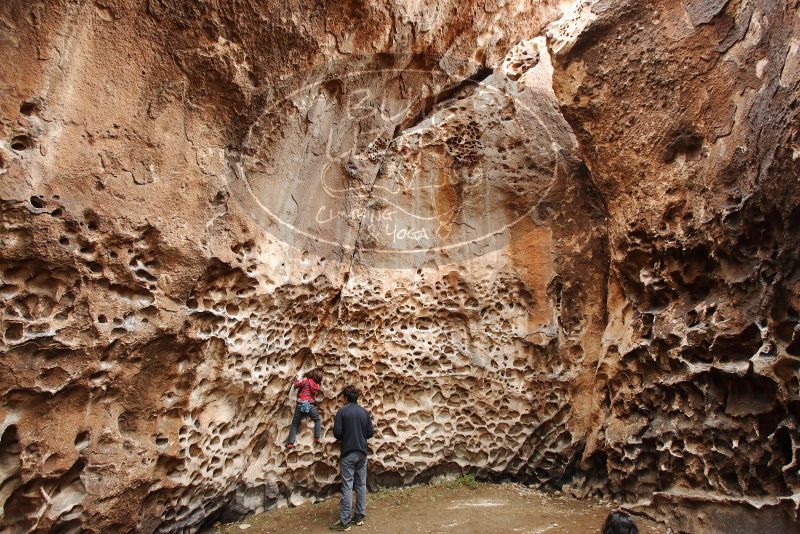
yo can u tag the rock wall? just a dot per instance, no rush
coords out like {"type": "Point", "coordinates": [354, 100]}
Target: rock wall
{"type": "Point", "coordinates": [687, 116]}
{"type": "Point", "coordinates": [200, 199]}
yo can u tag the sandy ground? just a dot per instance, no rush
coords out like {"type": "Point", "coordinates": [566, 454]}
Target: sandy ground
{"type": "Point", "coordinates": [447, 508]}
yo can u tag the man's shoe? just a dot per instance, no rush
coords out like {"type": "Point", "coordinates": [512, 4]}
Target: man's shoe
{"type": "Point", "coordinates": [358, 520]}
{"type": "Point", "coordinates": [339, 526]}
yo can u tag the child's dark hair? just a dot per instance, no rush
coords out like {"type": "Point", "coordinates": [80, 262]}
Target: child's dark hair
{"type": "Point", "coordinates": [315, 375]}
{"type": "Point", "coordinates": [350, 393]}
{"type": "Point", "coordinates": [619, 523]}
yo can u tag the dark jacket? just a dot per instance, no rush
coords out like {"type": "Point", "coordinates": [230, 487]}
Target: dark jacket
{"type": "Point", "coordinates": [352, 427]}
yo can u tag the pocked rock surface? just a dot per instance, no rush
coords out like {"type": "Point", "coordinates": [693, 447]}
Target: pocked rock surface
{"type": "Point", "coordinates": [578, 271]}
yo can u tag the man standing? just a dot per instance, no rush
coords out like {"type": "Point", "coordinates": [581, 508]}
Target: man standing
{"type": "Point", "coordinates": [352, 428]}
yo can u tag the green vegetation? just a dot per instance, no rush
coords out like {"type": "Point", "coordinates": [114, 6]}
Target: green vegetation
{"type": "Point", "coordinates": [465, 480]}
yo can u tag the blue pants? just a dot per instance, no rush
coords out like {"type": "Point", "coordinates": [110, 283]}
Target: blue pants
{"type": "Point", "coordinates": [298, 416]}
{"type": "Point", "coordinates": [353, 469]}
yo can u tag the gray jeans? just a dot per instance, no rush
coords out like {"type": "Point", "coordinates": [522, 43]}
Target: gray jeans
{"type": "Point", "coordinates": [299, 416]}
{"type": "Point", "coordinates": [353, 468]}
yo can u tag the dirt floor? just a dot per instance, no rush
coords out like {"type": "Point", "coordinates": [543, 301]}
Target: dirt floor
{"type": "Point", "coordinates": [447, 508]}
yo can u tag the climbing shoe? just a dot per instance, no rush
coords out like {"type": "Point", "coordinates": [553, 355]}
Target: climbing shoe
{"type": "Point", "coordinates": [358, 520]}
{"type": "Point", "coordinates": [290, 445]}
{"type": "Point", "coordinates": [339, 526]}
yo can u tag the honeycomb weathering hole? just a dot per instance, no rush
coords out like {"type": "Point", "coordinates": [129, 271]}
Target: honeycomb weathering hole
{"type": "Point", "coordinates": [21, 143]}
{"type": "Point", "coordinates": [690, 146]}
{"type": "Point", "coordinates": [29, 108]}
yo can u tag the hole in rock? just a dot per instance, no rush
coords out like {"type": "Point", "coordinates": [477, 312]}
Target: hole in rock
{"type": "Point", "coordinates": [29, 108]}
{"type": "Point", "coordinates": [783, 440]}
{"type": "Point", "coordinates": [794, 218]}
{"type": "Point", "coordinates": [688, 145]}
{"type": "Point", "coordinates": [21, 143]}
{"type": "Point", "coordinates": [82, 440]}
{"type": "Point", "coordinates": [13, 332]}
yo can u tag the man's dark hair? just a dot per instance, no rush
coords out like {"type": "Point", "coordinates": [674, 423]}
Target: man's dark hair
{"type": "Point", "coordinates": [350, 393]}
{"type": "Point", "coordinates": [619, 523]}
{"type": "Point", "coordinates": [316, 375]}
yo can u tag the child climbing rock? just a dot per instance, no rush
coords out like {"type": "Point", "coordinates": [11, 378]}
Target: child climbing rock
{"type": "Point", "coordinates": [307, 390]}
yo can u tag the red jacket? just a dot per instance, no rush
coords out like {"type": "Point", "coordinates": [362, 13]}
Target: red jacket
{"type": "Point", "coordinates": [307, 390]}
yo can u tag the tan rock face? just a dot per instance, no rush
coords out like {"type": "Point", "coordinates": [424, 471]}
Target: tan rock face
{"type": "Point", "coordinates": [199, 200]}
{"type": "Point", "coordinates": [687, 116]}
